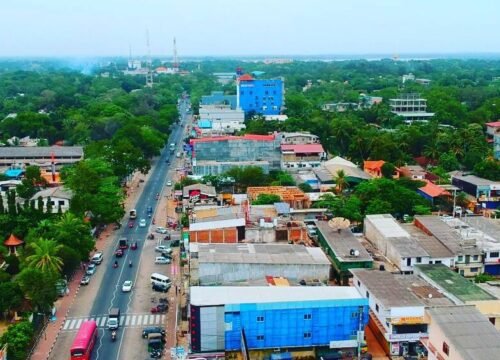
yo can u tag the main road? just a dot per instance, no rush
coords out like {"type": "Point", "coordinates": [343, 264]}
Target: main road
{"type": "Point", "coordinates": [110, 294]}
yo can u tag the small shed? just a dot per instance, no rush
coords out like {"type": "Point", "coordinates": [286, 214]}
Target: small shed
{"type": "Point", "coordinates": [12, 243]}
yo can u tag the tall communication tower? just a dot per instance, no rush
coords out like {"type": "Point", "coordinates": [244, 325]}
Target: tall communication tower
{"type": "Point", "coordinates": [149, 73]}
{"type": "Point", "coordinates": [176, 59]}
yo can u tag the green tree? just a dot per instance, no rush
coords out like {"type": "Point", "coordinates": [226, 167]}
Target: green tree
{"type": "Point", "coordinates": [266, 199]}
{"type": "Point", "coordinates": [305, 187]}
{"type": "Point", "coordinates": [73, 232]}
{"type": "Point", "coordinates": [45, 256]}
{"type": "Point", "coordinates": [340, 179]}
{"type": "Point", "coordinates": [388, 170]}
{"type": "Point", "coordinates": [11, 296]}
{"type": "Point", "coordinates": [18, 337]}
{"type": "Point", "coordinates": [39, 287]}
{"type": "Point", "coordinates": [488, 169]}
{"type": "Point", "coordinates": [30, 183]}
{"type": "Point", "coordinates": [448, 161]}
{"type": "Point", "coordinates": [247, 176]}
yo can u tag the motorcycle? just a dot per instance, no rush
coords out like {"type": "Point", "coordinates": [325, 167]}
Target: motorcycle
{"type": "Point", "coordinates": [161, 308]}
{"type": "Point", "coordinates": [156, 354]}
{"type": "Point", "coordinates": [113, 335]}
{"type": "Point", "coordinates": [153, 221]}
{"type": "Point", "coordinates": [130, 264]}
{"type": "Point", "coordinates": [151, 237]}
{"type": "Point", "coordinates": [115, 265]}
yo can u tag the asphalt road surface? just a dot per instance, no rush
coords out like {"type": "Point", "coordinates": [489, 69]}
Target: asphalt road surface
{"type": "Point", "coordinates": [110, 293]}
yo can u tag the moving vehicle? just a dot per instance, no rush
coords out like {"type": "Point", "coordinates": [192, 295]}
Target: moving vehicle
{"type": "Point", "coordinates": [84, 341]}
{"type": "Point", "coordinates": [127, 286]}
{"type": "Point", "coordinates": [150, 209]}
{"type": "Point", "coordinates": [131, 223]}
{"type": "Point", "coordinates": [171, 148]}
{"type": "Point", "coordinates": [169, 183]}
{"type": "Point", "coordinates": [123, 243]}
{"type": "Point", "coordinates": [157, 196]}
{"type": "Point", "coordinates": [133, 214]}
{"type": "Point", "coordinates": [119, 253]}
{"type": "Point", "coordinates": [97, 258]}
{"type": "Point", "coordinates": [133, 246]}
{"type": "Point", "coordinates": [91, 269]}
{"type": "Point", "coordinates": [160, 308]}
{"type": "Point", "coordinates": [115, 265]}
{"type": "Point", "coordinates": [85, 280]}
{"type": "Point", "coordinates": [113, 335]}
{"type": "Point", "coordinates": [163, 248]}
{"type": "Point", "coordinates": [142, 223]}
{"type": "Point", "coordinates": [178, 155]}
{"type": "Point", "coordinates": [153, 329]}
{"type": "Point", "coordinates": [113, 319]}
{"type": "Point", "coordinates": [130, 263]}
{"type": "Point", "coordinates": [161, 230]}
{"type": "Point", "coordinates": [162, 260]}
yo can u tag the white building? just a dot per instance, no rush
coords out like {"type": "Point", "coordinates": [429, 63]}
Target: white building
{"type": "Point", "coordinates": [221, 119]}
{"type": "Point", "coordinates": [411, 107]}
{"type": "Point", "coordinates": [298, 138]}
{"type": "Point", "coordinates": [394, 242]}
{"type": "Point", "coordinates": [397, 313]}
{"type": "Point", "coordinates": [59, 198]}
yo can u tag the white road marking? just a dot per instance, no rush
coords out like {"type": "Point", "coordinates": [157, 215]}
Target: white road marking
{"type": "Point", "coordinates": [133, 320]}
{"type": "Point", "coordinates": [139, 319]}
{"type": "Point", "coordinates": [66, 324]}
{"type": "Point", "coordinates": [127, 321]}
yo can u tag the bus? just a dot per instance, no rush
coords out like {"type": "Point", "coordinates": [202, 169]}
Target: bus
{"type": "Point", "coordinates": [133, 214]}
{"type": "Point", "coordinates": [84, 341]}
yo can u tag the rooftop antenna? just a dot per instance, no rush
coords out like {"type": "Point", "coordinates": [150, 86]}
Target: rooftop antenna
{"type": "Point", "coordinates": [176, 59]}
{"type": "Point", "coordinates": [149, 73]}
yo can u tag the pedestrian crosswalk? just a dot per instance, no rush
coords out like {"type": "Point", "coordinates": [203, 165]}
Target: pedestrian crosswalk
{"type": "Point", "coordinates": [127, 320]}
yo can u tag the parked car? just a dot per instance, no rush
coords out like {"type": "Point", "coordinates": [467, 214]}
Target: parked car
{"type": "Point", "coordinates": [160, 287]}
{"type": "Point", "coordinates": [150, 209]}
{"type": "Point", "coordinates": [169, 183]}
{"type": "Point", "coordinates": [162, 260]}
{"type": "Point", "coordinates": [153, 329]}
{"type": "Point", "coordinates": [161, 230]}
{"type": "Point", "coordinates": [142, 223]}
{"type": "Point", "coordinates": [91, 269]}
{"type": "Point", "coordinates": [163, 248]}
{"type": "Point", "coordinates": [127, 286]}
{"type": "Point", "coordinates": [85, 280]}
{"type": "Point", "coordinates": [97, 258]}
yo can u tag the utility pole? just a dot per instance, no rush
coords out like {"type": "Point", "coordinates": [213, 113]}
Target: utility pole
{"type": "Point", "coordinates": [149, 74]}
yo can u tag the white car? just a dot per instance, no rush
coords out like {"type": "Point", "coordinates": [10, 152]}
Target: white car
{"type": "Point", "coordinates": [127, 286]}
{"type": "Point", "coordinates": [169, 183]}
{"type": "Point", "coordinates": [161, 230]}
{"type": "Point", "coordinates": [142, 223]}
{"type": "Point", "coordinates": [162, 260]}
{"type": "Point", "coordinates": [163, 248]}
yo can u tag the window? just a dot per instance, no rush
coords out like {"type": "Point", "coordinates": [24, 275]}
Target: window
{"type": "Point", "coordinates": [419, 260]}
{"type": "Point", "coordinates": [460, 258]}
{"type": "Point", "coordinates": [307, 316]}
{"type": "Point", "coordinates": [354, 314]}
{"type": "Point", "coordinates": [376, 307]}
{"type": "Point", "coordinates": [438, 262]}
{"type": "Point", "coordinates": [260, 337]}
{"type": "Point", "coordinates": [61, 202]}
{"type": "Point", "coordinates": [307, 335]}
{"type": "Point", "coordinates": [494, 254]}
{"type": "Point", "coordinates": [430, 262]}
{"type": "Point", "coordinates": [408, 261]}
{"type": "Point", "coordinates": [475, 257]}
{"type": "Point", "coordinates": [474, 269]}
{"type": "Point", "coordinates": [260, 318]}
{"type": "Point", "coordinates": [446, 348]}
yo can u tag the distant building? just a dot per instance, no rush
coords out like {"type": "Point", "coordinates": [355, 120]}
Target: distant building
{"type": "Point", "coordinates": [60, 198]}
{"type": "Point", "coordinates": [407, 77]}
{"type": "Point", "coordinates": [340, 106]}
{"type": "Point", "coordinates": [219, 98]}
{"type": "Point", "coordinates": [301, 156]}
{"type": "Point", "coordinates": [260, 320]}
{"type": "Point", "coordinates": [374, 168]}
{"type": "Point", "coordinates": [40, 156]}
{"type": "Point", "coordinates": [328, 170]}
{"type": "Point", "coordinates": [291, 195]}
{"type": "Point", "coordinates": [460, 333]}
{"type": "Point", "coordinates": [261, 96]}
{"type": "Point", "coordinates": [224, 78]}
{"type": "Point", "coordinates": [344, 250]}
{"type": "Point", "coordinates": [486, 192]}
{"type": "Point", "coordinates": [493, 131]}
{"type": "Point", "coordinates": [411, 107]}
{"type": "Point", "coordinates": [226, 264]}
{"type": "Point", "coordinates": [280, 117]}
{"type": "Point", "coordinates": [221, 119]}
{"type": "Point", "coordinates": [298, 138]}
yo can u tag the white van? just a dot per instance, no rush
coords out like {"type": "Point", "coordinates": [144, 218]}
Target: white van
{"type": "Point", "coordinates": [157, 278]}
{"type": "Point", "coordinates": [178, 154]}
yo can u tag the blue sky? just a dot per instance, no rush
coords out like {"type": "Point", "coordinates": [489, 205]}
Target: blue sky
{"type": "Point", "coordinates": [248, 27]}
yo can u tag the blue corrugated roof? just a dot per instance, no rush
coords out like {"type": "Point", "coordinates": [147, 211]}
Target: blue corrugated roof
{"type": "Point", "coordinates": [282, 208]}
{"type": "Point", "coordinates": [14, 173]}
{"type": "Point", "coordinates": [204, 124]}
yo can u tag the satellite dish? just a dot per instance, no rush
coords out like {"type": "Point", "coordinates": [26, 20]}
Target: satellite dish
{"type": "Point", "coordinates": [339, 223]}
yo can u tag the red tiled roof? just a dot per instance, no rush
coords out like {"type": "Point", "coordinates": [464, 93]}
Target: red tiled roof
{"type": "Point", "coordinates": [304, 148]}
{"type": "Point", "coordinates": [433, 190]}
{"type": "Point", "coordinates": [227, 138]}
{"type": "Point", "coordinates": [245, 77]}
{"type": "Point", "coordinates": [493, 124]}
{"type": "Point", "coordinates": [373, 165]}
{"type": "Point", "coordinates": [13, 241]}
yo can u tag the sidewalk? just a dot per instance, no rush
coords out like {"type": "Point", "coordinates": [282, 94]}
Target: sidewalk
{"type": "Point", "coordinates": [49, 337]}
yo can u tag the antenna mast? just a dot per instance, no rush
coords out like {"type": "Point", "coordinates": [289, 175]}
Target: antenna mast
{"type": "Point", "coordinates": [176, 59]}
{"type": "Point", "coordinates": [149, 73]}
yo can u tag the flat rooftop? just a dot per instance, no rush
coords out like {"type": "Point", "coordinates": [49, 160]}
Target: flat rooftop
{"type": "Point", "coordinates": [259, 254]}
{"type": "Point", "coordinates": [469, 332]}
{"type": "Point", "coordinates": [425, 292]}
{"type": "Point", "coordinates": [387, 225]}
{"type": "Point", "coordinates": [475, 180]}
{"type": "Point", "coordinates": [41, 151]}
{"type": "Point", "coordinates": [386, 288]}
{"type": "Point", "coordinates": [429, 243]}
{"type": "Point", "coordinates": [224, 295]}
{"type": "Point", "coordinates": [342, 243]}
{"type": "Point", "coordinates": [453, 283]}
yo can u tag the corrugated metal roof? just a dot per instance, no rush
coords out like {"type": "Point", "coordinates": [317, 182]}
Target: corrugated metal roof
{"type": "Point", "coordinates": [282, 207]}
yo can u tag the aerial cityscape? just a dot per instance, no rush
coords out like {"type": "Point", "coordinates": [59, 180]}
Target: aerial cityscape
{"type": "Point", "coordinates": [250, 180]}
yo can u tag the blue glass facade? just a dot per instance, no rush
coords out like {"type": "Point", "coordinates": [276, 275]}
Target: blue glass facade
{"type": "Point", "coordinates": [262, 96]}
{"type": "Point", "coordinates": [294, 324]}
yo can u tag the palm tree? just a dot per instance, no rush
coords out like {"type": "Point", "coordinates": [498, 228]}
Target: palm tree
{"type": "Point", "coordinates": [340, 179]}
{"type": "Point", "coordinates": [45, 256]}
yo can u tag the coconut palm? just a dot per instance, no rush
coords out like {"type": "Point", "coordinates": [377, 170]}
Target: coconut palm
{"type": "Point", "coordinates": [45, 256]}
{"type": "Point", "coordinates": [340, 179]}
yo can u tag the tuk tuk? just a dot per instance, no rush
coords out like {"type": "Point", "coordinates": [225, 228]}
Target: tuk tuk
{"type": "Point", "coordinates": [155, 341]}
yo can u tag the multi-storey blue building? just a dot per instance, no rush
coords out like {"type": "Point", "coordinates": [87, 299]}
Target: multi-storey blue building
{"type": "Point", "coordinates": [264, 97]}
{"type": "Point", "coordinates": [260, 319]}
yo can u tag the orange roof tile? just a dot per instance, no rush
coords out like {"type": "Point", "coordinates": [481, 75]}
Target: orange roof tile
{"type": "Point", "coordinates": [433, 190]}
{"type": "Point", "coordinates": [373, 165]}
{"type": "Point", "coordinates": [245, 77]}
{"type": "Point", "coordinates": [13, 241]}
